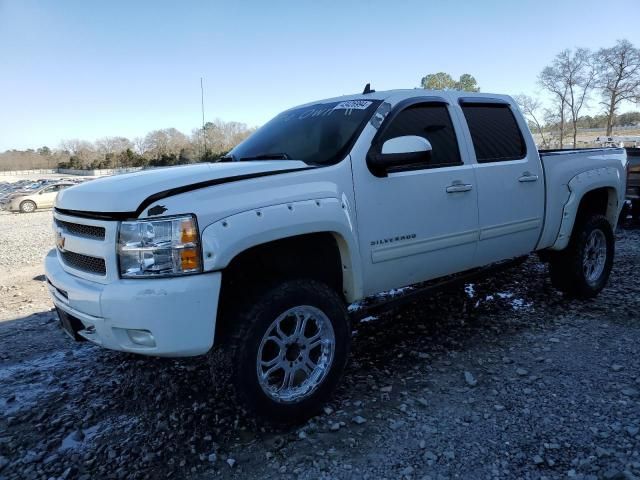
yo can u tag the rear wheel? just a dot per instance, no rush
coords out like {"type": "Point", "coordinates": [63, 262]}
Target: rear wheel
{"type": "Point", "coordinates": [27, 206]}
{"type": "Point", "coordinates": [583, 268]}
{"type": "Point", "coordinates": [286, 349]}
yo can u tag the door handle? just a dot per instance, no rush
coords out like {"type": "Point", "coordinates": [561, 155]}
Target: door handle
{"type": "Point", "coordinates": [528, 177]}
{"type": "Point", "coordinates": [459, 187]}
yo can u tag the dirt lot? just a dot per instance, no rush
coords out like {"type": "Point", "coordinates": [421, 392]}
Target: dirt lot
{"type": "Point", "coordinates": [506, 380]}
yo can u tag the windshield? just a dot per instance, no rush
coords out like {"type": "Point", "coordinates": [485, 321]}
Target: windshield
{"type": "Point", "coordinates": [319, 134]}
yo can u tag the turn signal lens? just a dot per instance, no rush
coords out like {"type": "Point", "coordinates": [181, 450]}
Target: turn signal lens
{"type": "Point", "coordinates": [189, 259]}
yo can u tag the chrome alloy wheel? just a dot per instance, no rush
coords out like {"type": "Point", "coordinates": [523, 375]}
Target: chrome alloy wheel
{"type": "Point", "coordinates": [595, 256]}
{"type": "Point", "coordinates": [295, 354]}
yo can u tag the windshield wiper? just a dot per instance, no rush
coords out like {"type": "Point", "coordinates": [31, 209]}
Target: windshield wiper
{"type": "Point", "coordinates": [267, 156]}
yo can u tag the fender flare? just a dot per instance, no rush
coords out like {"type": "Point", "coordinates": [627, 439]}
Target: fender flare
{"type": "Point", "coordinates": [228, 237]}
{"type": "Point", "coordinates": [579, 186]}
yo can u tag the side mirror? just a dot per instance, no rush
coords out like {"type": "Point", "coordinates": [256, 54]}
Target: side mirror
{"type": "Point", "coordinates": [398, 152]}
{"type": "Point", "coordinates": [405, 145]}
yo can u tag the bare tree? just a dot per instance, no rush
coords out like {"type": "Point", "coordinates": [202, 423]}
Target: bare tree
{"type": "Point", "coordinates": [531, 110]}
{"type": "Point", "coordinates": [551, 80]}
{"type": "Point", "coordinates": [221, 136]}
{"type": "Point", "coordinates": [168, 141]}
{"type": "Point", "coordinates": [618, 77]}
{"type": "Point", "coordinates": [573, 74]}
{"type": "Point", "coordinates": [552, 117]}
{"type": "Point", "coordinates": [139, 145]}
{"type": "Point", "coordinates": [110, 145]}
{"type": "Point", "coordinates": [82, 150]}
{"type": "Point", "coordinates": [581, 75]}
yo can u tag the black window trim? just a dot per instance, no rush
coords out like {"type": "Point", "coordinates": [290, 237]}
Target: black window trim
{"type": "Point", "coordinates": [376, 145]}
{"type": "Point", "coordinates": [483, 100]}
{"type": "Point", "coordinates": [493, 102]}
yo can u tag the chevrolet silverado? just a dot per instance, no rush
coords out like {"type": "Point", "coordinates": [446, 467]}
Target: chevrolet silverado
{"type": "Point", "coordinates": [255, 258]}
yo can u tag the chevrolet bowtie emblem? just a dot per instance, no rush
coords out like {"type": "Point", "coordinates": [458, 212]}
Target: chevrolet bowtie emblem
{"type": "Point", "coordinates": [60, 240]}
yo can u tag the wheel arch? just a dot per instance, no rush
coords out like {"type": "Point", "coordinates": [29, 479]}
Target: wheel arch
{"type": "Point", "coordinates": [599, 196]}
{"type": "Point", "coordinates": [318, 234]}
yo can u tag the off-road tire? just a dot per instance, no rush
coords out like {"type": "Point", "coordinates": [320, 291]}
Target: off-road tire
{"type": "Point", "coordinates": [27, 206]}
{"type": "Point", "coordinates": [567, 267]}
{"type": "Point", "coordinates": [233, 358]}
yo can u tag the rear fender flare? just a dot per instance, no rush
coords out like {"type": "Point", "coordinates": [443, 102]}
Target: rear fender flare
{"type": "Point", "coordinates": [579, 186]}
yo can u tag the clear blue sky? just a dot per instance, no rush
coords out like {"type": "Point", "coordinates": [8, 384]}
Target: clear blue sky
{"type": "Point", "coordinates": [87, 69]}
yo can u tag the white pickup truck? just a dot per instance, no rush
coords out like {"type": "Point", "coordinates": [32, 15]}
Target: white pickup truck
{"type": "Point", "coordinates": [255, 259]}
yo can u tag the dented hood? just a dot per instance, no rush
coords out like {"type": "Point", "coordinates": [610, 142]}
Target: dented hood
{"type": "Point", "coordinates": [130, 193]}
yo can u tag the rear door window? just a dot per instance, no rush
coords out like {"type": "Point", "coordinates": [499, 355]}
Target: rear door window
{"type": "Point", "coordinates": [495, 134]}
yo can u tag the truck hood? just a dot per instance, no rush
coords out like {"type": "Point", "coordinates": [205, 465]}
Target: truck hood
{"type": "Point", "coordinates": [130, 193]}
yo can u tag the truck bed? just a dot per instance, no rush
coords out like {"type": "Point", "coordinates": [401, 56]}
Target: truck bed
{"type": "Point", "coordinates": [564, 151]}
{"type": "Point", "coordinates": [560, 167]}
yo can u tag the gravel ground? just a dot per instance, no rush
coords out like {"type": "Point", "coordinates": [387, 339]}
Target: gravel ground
{"type": "Point", "coordinates": [507, 379]}
{"type": "Point", "coordinates": [25, 239]}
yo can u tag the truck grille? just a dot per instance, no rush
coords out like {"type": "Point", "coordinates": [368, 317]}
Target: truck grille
{"type": "Point", "coordinates": [86, 231]}
{"type": "Point", "coordinates": [84, 263]}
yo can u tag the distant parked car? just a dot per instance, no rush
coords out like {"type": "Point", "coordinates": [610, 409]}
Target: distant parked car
{"type": "Point", "coordinates": [28, 202]}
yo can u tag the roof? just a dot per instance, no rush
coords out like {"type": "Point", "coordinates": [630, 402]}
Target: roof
{"type": "Point", "coordinates": [401, 94]}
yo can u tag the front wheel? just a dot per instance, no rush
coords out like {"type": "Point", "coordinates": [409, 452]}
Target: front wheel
{"type": "Point", "coordinates": [583, 268]}
{"type": "Point", "coordinates": [287, 349]}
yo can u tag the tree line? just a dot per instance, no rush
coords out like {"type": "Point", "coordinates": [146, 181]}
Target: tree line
{"type": "Point", "coordinates": [162, 147]}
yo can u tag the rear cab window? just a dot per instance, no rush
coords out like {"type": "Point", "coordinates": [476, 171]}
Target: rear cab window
{"type": "Point", "coordinates": [495, 133]}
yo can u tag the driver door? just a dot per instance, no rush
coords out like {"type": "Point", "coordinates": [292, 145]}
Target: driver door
{"type": "Point", "coordinates": [419, 221]}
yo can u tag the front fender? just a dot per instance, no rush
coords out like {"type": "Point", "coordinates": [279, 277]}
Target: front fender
{"type": "Point", "coordinates": [232, 235]}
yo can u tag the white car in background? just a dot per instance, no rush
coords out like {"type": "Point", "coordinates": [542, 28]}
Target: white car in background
{"type": "Point", "coordinates": [44, 197]}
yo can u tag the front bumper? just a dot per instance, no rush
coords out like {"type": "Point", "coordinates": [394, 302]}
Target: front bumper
{"type": "Point", "coordinates": [178, 312]}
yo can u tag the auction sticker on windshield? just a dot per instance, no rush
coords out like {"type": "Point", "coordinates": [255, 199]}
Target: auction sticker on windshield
{"type": "Point", "coordinates": [353, 105]}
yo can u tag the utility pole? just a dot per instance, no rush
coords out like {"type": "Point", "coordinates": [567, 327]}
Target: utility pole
{"type": "Point", "coordinates": [204, 133]}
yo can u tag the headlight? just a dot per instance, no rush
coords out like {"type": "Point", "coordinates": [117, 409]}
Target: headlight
{"type": "Point", "coordinates": [163, 247]}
